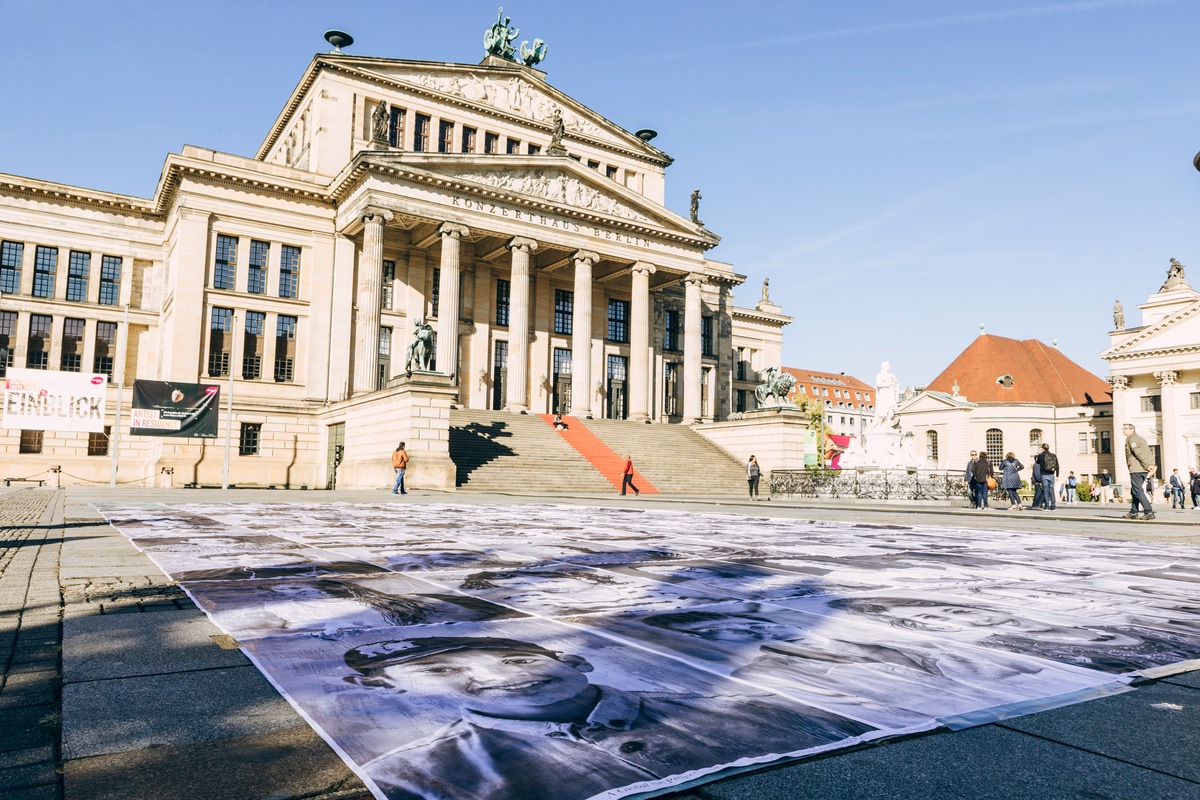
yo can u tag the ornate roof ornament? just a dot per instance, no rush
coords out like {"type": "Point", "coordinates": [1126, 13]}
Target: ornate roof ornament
{"type": "Point", "coordinates": [1174, 276]}
{"type": "Point", "coordinates": [498, 39]}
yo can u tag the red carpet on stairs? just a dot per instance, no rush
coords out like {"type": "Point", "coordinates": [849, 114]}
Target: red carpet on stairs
{"type": "Point", "coordinates": [607, 462]}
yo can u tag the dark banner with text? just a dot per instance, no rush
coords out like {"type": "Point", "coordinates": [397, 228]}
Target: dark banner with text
{"type": "Point", "coordinates": [175, 409]}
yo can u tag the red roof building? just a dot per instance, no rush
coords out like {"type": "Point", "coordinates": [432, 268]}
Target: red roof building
{"type": "Point", "coordinates": [849, 403]}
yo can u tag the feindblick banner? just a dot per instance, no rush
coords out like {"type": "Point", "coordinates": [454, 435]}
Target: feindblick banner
{"type": "Point", "coordinates": [41, 400]}
{"type": "Point", "coordinates": [174, 409]}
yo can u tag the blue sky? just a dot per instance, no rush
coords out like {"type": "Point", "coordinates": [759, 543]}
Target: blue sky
{"type": "Point", "coordinates": [901, 171]}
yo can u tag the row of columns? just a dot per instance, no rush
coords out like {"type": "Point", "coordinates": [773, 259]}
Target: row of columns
{"type": "Point", "coordinates": [521, 249]}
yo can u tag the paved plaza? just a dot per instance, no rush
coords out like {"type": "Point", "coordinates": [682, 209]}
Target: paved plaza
{"type": "Point", "coordinates": [114, 675]}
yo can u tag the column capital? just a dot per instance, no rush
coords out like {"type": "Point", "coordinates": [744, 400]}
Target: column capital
{"type": "Point", "coordinates": [1167, 377]}
{"type": "Point", "coordinates": [522, 244]}
{"type": "Point", "coordinates": [643, 268]}
{"type": "Point", "coordinates": [380, 215]}
{"type": "Point", "coordinates": [588, 256]}
{"type": "Point", "coordinates": [696, 278]}
{"type": "Point", "coordinates": [452, 230]}
{"type": "Point", "coordinates": [1119, 381]}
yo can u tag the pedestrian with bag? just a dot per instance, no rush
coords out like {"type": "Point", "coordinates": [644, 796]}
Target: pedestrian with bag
{"type": "Point", "coordinates": [1070, 488]}
{"type": "Point", "coordinates": [753, 473]}
{"type": "Point", "coordinates": [985, 480]}
{"type": "Point", "coordinates": [1010, 480]}
{"type": "Point", "coordinates": [400, 464]}
{"type": "Point", "coordinates": [1048, 462]}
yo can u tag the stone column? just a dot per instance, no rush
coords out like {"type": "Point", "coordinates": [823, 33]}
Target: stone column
{"type": "Point", "coordinates": [1173, 455]}
{"type": "Point", "coordinates": [447, 327]}
{"type": "Point", "coordinates": [581, 336]}
{"type": "Point", "coordinates": [367, 303]}
{"type": "Point", "coordinates": [518, 326]}
{"type": "Point", "coordinates": [1121, 397]}
{"type": "Point", "coordinates": [639, 343]}
{"type": "Point", "coordinates": [691, 348]}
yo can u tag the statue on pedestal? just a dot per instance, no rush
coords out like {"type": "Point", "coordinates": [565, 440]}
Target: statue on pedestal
{"type": "Point", "coordinates": [498, 38]}
{"type": "Point", "coordinates": [695, 211]}
{"type": "Point", "coordinates": [1118, 316]}
{"type": "Point", "coordinates": [379, 123]}
{"type": "Point", "coordinates": [1174, 276]}
{"type": "Point", "coordinates": [420, 350]}
{"type": "Point", "coordinates": [775, 388]}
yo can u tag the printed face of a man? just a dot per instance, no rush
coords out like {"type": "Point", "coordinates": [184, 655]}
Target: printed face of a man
{"type": "Point", "coordinates": [494, 682]}
{"type": "Point", "coordinates": [739, 629]}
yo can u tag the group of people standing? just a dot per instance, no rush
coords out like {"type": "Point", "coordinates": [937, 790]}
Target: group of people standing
{"type": "Point", "coordinates": [980, 478]}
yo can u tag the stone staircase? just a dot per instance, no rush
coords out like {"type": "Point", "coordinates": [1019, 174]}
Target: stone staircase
{"type": "Point", "coordinates": [495, 451]}
{"type": "Point", "coordinates": [498, 451]}
{"type": "Point", "coordinates": [674, 458]}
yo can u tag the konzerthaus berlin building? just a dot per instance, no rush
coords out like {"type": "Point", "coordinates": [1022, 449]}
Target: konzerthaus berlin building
{"type": "Point", "coordinates": [529, 231]}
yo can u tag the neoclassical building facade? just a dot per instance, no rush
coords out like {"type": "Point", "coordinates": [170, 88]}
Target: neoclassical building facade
{"type": "Point", "coordinates": [529, 232]}
{"type": "Point", "coordinates": [1154, 370]}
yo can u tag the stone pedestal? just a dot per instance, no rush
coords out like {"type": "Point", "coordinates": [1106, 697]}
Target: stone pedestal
{"type": "Point", "coordinates": [774, 436]}
{"type": "Point", "coordinates": [415, 411]}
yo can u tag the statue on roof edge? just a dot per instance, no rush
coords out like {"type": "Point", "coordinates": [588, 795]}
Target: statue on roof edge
{"type": "Point", "coordinates": [1174, 276]}
{"type": "Point", "coordinates": [498, 39]}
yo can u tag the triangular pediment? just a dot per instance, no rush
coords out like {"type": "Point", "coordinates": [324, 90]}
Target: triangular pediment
{"type": "Point", "coordinates": [557, 182]}
{"type": "Point", "coordinates": [933, 401]}
{"type": "Point", "coordinates": [510, 89]}
{"type": "Point", "coordinates": [1177, 332]}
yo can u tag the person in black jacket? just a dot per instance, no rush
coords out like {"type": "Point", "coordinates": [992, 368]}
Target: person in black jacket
{"type": "Point", "coordinates": [982, 470]}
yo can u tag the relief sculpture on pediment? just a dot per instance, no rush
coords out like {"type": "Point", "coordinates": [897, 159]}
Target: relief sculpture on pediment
{"type": "Point", "coordinates": [556, 187]}
{"type": "Point", "coordinates": [506, 94]}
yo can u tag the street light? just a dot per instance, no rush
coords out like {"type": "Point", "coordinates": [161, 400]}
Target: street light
{"type": "Point", "coordinates": [1196, 161]}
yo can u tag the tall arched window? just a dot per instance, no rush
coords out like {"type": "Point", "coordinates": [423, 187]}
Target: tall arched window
{"type": "Point", "coordinates": [995, 445]}
{"type": "Point", "coordinates": [931, 449]}
{"type": "Point", "coordinates": [1035, 441]}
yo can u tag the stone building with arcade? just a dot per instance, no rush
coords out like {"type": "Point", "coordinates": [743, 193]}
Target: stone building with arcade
{"type": "Point", "coordinates": [528, 231]}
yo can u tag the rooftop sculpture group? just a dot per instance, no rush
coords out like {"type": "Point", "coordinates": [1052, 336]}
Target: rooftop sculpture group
{"type": "Point", "coordinates": [498, 40]}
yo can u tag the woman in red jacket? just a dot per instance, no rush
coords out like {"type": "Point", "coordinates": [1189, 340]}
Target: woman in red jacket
{"type": "Point", "coordinates": [627, 481]}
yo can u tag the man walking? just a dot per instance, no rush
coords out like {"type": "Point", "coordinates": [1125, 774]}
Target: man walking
{"type": "Point", "coordinates": [969, 477]}
{"type": "Point", "coordinates": [1140, 460]}
{"type": "Point", "coordinates": [1048, 462]}
{"type": "Point", "coordinates": [1194, 484]}
{"type": "Point", "coordinates": [1176, 484]}
{"type": "Point", "coordinates": [627, 477]}
{"type": "Point", "coordinates": [1106, 491]}
{"type": "Point", "coordinates": [400, 464]}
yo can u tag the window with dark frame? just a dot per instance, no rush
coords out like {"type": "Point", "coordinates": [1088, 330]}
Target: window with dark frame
{"type": "Point", "coordinates": [256, 277]}
{"type": "Point", "coordinates": [220, 335]}
{"type": "Point", "coordinates": [384, 366]}
{"type": "Point", "coordinates": [1152, 402]}
{"type": "Point", "coordinates": [285, 348]}
{"type": "Point", "coordinates": [389, 283]}
{"type": "Point", "coordinates": [110, 280]}
{"type": "Point", "coordinates": [610, 172]}
{"type": "Point", "coordinates": [468, 139]}
{"type": "Point", "coordinates": [534, 149]}
{"type": "Point", "coordinates": [249, 438]}
{"type": "Point", "coordinates": [564, 310]}
{"type": "Point", "coordinates": [512, 146]}
{"type": "Point", "coordinates": [503, 288]}
{"type": "Point", "coordinates": [994, 439]}
{"type": "Point", "coordinates": [435, 291]}
{"type": "Point", "coordinates": [671, 330]}
{"type": "Point", "coordinates": [45, 265]}
{"type": "Point", "coordinates": [252, 345]}
{"type": "Point", "coordinates": [31, 442]}
{"type": "Point", "coordinates": [396, 128]}
{"type": "Point", "coordinates": [421, 133]}
{"type": "Point", "coordinates": [8, 340]}
{"type": "Point", "coordinates": [11, 255]}
{"type": "Point", "coordinates": [71, 357]}
{"type": "Point", "coordinates": [1106, 443]}
{"type": "Point", "coordinates": [225, 268]}
{"type": "Point", "coordinates": [707, 345]}
{"type": "Point", "coordinates": [931, 446]}
{"type": "Point", "coordinates": [618, 321]}
{"type": "Point", "coordinates": [445, 136]}
{"type": "Point", "coordinates": [594, 165]}
{"type": "Point", "coordinates": [98, 442]}
{"type": "Point", "coordinates": [289, 271]}
{"type": "Point", "coordinates": [105, 350]}
{"type": "Point", "coordinates": [78, 266]}
{"type": "Point", "coordinates": [491, 143]}
{"type": "Point", "coordinates": [37, 351]}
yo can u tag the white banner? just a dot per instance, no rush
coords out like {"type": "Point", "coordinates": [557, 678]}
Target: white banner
{"type": "Point", "coordinates": [40, 400]}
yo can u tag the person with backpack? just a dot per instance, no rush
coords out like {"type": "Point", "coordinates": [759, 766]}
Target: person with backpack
{"type": "Point", "coordinates": [1048, 462]}
{"type": "Point", "coordinates": [1194, 484]}
{"type": "Point", "coordinates": [1071, 487]}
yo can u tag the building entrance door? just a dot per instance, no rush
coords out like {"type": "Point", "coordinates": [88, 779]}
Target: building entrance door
{"type": "Point", "coordinates": [337, 450]}
{"type": "Point", "coordinates": [561, 400]}
{"type": "Point", "coordinates": [618, 388]}
{"type": "Point", "coordinates": [500, 376]}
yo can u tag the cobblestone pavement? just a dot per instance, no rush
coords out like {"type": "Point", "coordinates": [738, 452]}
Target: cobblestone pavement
{"type": "Point", "coordinates": [30, 645]}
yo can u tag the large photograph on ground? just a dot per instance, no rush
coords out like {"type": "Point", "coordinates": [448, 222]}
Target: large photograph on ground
{"type": "Point", "coordinates": [563, 652]}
